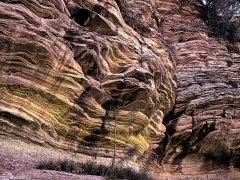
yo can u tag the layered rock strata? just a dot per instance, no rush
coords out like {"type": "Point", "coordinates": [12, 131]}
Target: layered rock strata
{"type": "Point", "coordinates": [91, 75]}
{"type": "Point", "coordinates": [203, 128]}
{"type": "Point", "coordinates": [75, 75]}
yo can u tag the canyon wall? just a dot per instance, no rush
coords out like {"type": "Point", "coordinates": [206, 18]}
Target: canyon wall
{"type": "Point", "coordinates": [142, 76]}
{"type": "Point", "coordinates": [203, 128]}
{"type": "Point", "coordinates": [73, 73]}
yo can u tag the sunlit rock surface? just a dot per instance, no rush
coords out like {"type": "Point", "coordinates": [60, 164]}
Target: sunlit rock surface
{"type": "Point", "coordinates": [73, 72]}
{"type": "Point", "coordinates": [83, 74]}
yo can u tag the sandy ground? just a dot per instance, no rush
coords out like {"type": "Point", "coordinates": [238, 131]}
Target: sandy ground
{"type": "Point", "coordinates": [18, 160]}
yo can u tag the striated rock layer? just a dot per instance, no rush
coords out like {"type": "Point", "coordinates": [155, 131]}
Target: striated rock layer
{"type": "Point", "coordinates": [142, 76]}
{"type": "Point", "coordinates": [75, 72]}
{"type": "Point", "coordinates": [203, 128]}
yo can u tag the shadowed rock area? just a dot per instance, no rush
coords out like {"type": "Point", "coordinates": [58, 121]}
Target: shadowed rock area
{"type": "Point", "coordinates": [141, 76]}
{"type": "Point", "coordinates": [203, 127]}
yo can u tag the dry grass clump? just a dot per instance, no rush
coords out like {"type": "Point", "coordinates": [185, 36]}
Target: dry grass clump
{"type": "Point", "coordinates": [92, 168]}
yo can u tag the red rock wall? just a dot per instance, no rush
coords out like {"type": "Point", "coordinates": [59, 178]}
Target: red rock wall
{"type": "Point", "coordinates": [203, 129]}
{"type": "Point", "coordinates": [70, 69]}
{"type": "Point", "coordinates": [74, 71]}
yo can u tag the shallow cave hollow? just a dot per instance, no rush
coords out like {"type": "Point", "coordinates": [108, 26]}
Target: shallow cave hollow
{"type": "Point", "coordinates": [82, 16]}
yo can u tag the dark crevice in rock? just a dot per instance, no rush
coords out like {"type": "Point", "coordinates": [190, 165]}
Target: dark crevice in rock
{"type": "Point", "coordinates": [172, 115]}
{"type": "Point", "coordinates": [160, 150]}
{"type": "Point", "coordinates": [237, 163]}
{"type": "Point", "coordinates": [112, 104]}
{"type": "Point", "coordinates": [234, 84]}
{"type": "Point", "coordinates": [157, 19]}
{"type": "Point", "coordinates": [82, 17]}
{"type": "Point", "coordinates": [16, 120]}
{"type": "Point", "coordinates": [169, 123]}
{"type": "Point", "coordinates": [68, 38]}
{"type": "Point", "coordinates": [229, 63]}
{"type": "Point", "coordinates": [119, 3]}
{"type": "Point", "coordinates": [92, 138]}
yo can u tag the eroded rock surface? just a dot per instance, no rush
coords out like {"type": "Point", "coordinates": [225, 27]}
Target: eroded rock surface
{"type": "Point", "coordinates": [71, 69]}
{"type": "Point", "coordinates": [203, 128]}
{"type": "Point", "coordinates": [83, 74]}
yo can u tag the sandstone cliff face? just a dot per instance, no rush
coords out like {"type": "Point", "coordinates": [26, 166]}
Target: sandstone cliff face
{"type": "Point", "coordinates": [203, 128]}
{"type": "Point", "coordinates": [74, 73]}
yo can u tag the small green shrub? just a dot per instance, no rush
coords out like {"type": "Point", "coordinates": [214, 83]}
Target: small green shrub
{"type": "Point", "coordinates": [92, 168]}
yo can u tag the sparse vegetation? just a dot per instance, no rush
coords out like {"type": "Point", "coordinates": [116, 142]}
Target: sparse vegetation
{"type": "Point", "coordinates": [222, 17]}
{"type": "Point", "coordinates": [92, 168]}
